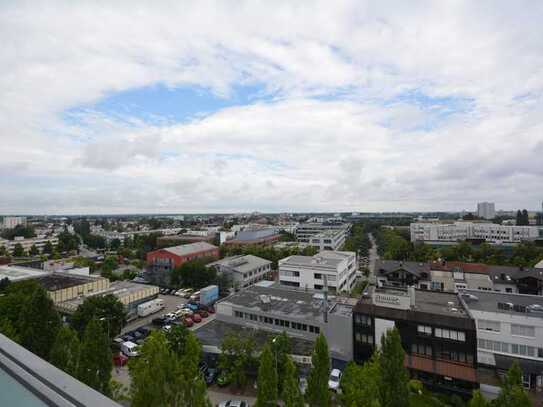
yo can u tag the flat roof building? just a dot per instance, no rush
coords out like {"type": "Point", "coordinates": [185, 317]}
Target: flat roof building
{"type": "Point", "coordinates": [244, 270]}
{"type": "Point", "coordinates": [168, 258]}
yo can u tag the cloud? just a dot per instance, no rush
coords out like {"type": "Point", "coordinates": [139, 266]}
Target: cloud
{"type": "Point", "coordinates": [360, 106]}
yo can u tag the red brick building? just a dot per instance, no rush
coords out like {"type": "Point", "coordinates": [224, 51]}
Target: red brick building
{"type": "Point", "coordinates": [169, 258]}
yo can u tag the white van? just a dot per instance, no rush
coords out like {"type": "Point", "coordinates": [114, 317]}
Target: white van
{"type": "Point", "coordinates": [129, 349]}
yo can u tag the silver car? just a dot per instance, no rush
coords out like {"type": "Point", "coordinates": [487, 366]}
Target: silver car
{"type": "Point", "coordinates": [234, 403]}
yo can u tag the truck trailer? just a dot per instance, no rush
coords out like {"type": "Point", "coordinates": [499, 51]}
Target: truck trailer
{"type": "Point", "coordinates": [150, 307]}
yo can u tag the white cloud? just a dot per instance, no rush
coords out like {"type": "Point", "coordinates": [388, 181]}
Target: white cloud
{"type": "Point", "coordinates": [356, 148]}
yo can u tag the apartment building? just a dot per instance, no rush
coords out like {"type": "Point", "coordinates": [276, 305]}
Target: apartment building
{"type": "Point", "coordinates": [243, 270]}
{"type": "Point", "coordinates": [39, 242]}
{"type": "Point", "coordinates": [451, 233]}
{"type": "Point", "coordinates": [309, 272]}
{"type": "Point", "coordinates": [509, 328]}
{"type": "Point", "coordinates": [437, 333]}
{"type": "Point", "coordinates": [305, 231]}
{"type": "Point", "coordinates": [454, 276]}
{"type": "Point", "coordinates": [486, 210]}
{"type": "Point", "coordinates": [9, 222]}
{"type": "Point", "coordinates": [329, 240]}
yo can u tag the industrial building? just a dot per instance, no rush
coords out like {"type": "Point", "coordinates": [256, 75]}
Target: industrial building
{"type": "Point", "coordinates": [300, 314]}
{"type": "Point", "coordinates": [243, 270]}
{"type": "Point", "coordinates": [309, 272]}
{"type": "Point", "coordinates": [254, 235]}
{"type": "Point", "coordinates": [168, 258]}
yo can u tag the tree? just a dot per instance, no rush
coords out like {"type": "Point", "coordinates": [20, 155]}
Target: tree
{"type": "Point", "coordinates": [4, 284]}
{"type": "Point", "coordinates": [34, 250]}
{"type": "Point", "coordinates": [39, 323]}
{"type": "Point", "coordinates": [107, 307]}
{"type": "Point", "coordinates": [394, 377]}
{"type": "Point", "coordinates": [267, 379]}
{"type": "Point", "coordinates": [194, 386]}
{"type": "Point", "coordinates": [194, 274]}
{"type": "Point", "coordinates": [478, 400]}
{"type": "Point", "coordinates": [18, 250]}
{"type": "Point", "coordinates": [65, 351]}
{"type": "Point", "coordinates": [317, 384]}
{"type": "Point", "coordinates": [512, 393]}
{"type": "Point", "coordinates": [177, 339]}
{"type": "Point", "coordinates": [281, 348]}
{"type": "Point", "coordinates": [48, 247]}
{"type": "Point", "coordinates": [95, 362]}
{"type": "Point", "coordinates": [7, 329]}
{"type": "Point", "coordinates": [291, 395]}
{"type": "Point", "coordinates": [519, 220]}
{"type": "Point", "coordinates": [237, 357]}
{"type": "Point", "coordinates": [360, 384]}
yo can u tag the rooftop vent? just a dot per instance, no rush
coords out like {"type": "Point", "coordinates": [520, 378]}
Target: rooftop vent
{"type": "Point", "coordinates": [535, 308]}
{"type": "Point", "coordinates": [265, 299]}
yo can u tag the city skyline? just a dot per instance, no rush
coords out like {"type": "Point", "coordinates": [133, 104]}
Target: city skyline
{"type": "Point", "coordinates": [313, 107]}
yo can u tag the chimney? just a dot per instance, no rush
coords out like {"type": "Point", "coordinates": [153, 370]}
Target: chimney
{"type": "Point", "coordinates": [325, 278]}
{"type": "Point", "coordinates": [411, 292]}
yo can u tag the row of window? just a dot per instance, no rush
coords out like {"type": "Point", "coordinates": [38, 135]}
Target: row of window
{"type": "Point", "coordinates": [364, 338]}
{"type": "Point", "coordinates": [442, 352]}
{"type": "Point", "coordinates": [442, 333]}
{"type": "Point", "coordinates": [279, 322]}
{"type": "Point", "coordinates": [514, 348]}
{"type": "Point", "coordinates": [516, 329]}
{"type": "Point", "coordinates": [361, 319]}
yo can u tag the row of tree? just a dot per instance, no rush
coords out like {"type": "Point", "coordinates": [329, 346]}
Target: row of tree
{"type": "Point", "coordinates": [394, 245]}
{"type": "Point", "coordinates": [358, 241]}
{"type": "Point", "coordinates": [29, 318]}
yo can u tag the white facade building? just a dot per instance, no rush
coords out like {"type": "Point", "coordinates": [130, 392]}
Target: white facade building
{"type": "Point", "coordinates": [451, 233]}
{"type": "Point", "coordinates": [486, 210]}
{"type": "Point", "coordinates": [243, 270]}
{"type": "Point", "coordinates": [305, 231]}
{"type": "Point", "coordinates": [509, 328]}
{"type": "Point", "coordinates": [328, 240]}
{"type": "Point", "coordinates": [9, 222]}
{"type": "Point", "coordinates": [27, 244]}
{"type": "Point", "coordinates": [308, 272]}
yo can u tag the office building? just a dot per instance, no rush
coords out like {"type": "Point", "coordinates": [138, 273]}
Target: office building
{"type": "Point", "coordinates": [299, 313]}
{"type": "Point", "coordinates": [30, 381]}
{"type": "Point", "coordinates": [437, 334]}
{"type": "Point", "coordinates": [26, 244]}
{"type": "Point", "coordinates": [309, 272]}
{"type": "Point", "coordinates": [509, 329]}
{"type": "Point", "coordinates": [486, 210]}
{"type": "Point", "coordinates": [9, 222]}
{"type": "Point", "coordinates": [168, 258]}
{"type": "Point", "coordinates": [305, 231]}
{"type": "Point", "coordinates": [254, 235]}
{"type": "Point", "coordinates": [452, 233]}
{"type": "Point", "coordinates": [243, 270]}
{"type": "Point", "coordinates": [328, 240]}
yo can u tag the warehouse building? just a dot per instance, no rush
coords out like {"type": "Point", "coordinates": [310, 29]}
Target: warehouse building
{"type": "Point", "coordinates": [168, 258]}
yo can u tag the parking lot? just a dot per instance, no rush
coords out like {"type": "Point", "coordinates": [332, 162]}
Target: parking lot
{"type": "Point", "coordinates": [170, 304]}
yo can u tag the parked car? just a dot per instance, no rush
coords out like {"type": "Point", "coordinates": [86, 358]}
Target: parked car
{"type": "Point", "coordinates": [303, 385]}
{"type": "Point", "coordinates": [144, 331]}
{"type": "Point", "coordinates": [130, 349]}
{"type": "Point", "coordinates": [333, 381]}
{"type": "Point", "coordinates": [193, 307]}
{"type": "Point", "coordinates": [170, 315]}
{"type": "Point", "coordinates": [202, 313]}
{"type": "Point", "coordinates": [210, 375]}
{"type": "Point", "coordinates": [188, 322]}
{"type": "Point", "coordinates": [120, 360]}
{"type": "Point", "coordinates": [188, 292]}
{"type": "Point", "coordinates": [118, 341]}
{"type": "Point", "coordinates": [195, 296]}
{"type": "Point", "coordinates": [158, 321]}
{"type": "Point", "coordinates": [234, 403]}
{"type": "Point", "coordinates": [128, 338]}
{"type": "Point", "coordinates": [136, 334]}
{"type": "Point", "coordinates": [197, 318]}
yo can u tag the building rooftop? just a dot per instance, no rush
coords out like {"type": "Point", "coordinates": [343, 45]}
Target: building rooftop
{"type": "Point", "coordinates": [325, 258]}
{"type": "Point", "coordinates": [506, 303]}
{"type": "Point", "coordinates": [185, 249]}
{"type": "Point", "coordinates": [241, 263]}
{"type": "Point", "coordinates": [277, 300]}
{"type": "Point", "coordinates": [27, 380]}
{"type": "Point", "coordinates": [15, 273]}
{"type": "Point", "coordinates": [58, 281]}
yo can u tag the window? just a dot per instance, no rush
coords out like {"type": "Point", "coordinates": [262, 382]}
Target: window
{"type": "Point", "coordinates": [363, 319]}
{"type": "Point", "coordinates": [523, 330]}
{"type": "Point", "coordinates": [485, 325]}
{"type": "Point", "coordinates": [364, 338]}
{"type": "Point", "coordinates": [450, 334]}
{"type": "Point", "coordinates": [421, 349]}
{"type": "Point", "coordinates": [238, 314]}
{"type": "Point", "coordinates": [424, 330]}
{"type": "Point", "coordinates": [317, 276]}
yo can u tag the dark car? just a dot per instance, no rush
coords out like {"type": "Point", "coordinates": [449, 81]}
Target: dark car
{"type": "Point", "coordinates": [128, 338]}
{"type": "Point", "coordinates": [210, 375]}
{"type": "Point", "coordinates": [144, 331]}
{"type": "Point", "coordinates": [160, 321]}
{"type": "Point", "coordinates": [136, 334]}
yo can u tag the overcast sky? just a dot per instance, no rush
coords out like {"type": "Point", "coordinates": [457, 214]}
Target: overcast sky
{"type": "Point", "coordinates": [272, 106]}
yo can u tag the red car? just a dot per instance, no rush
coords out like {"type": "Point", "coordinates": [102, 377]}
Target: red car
{"type": "Point", "coordinates": [211, 310]}
{"type": "Point", "coordinates": [120, 360]}
{"type": "Point", "coordinates": [203, 313]}
{"type": "Point", "coordinates": [197, 318]}
{"type": "Point", "coordinates": [188, 322]}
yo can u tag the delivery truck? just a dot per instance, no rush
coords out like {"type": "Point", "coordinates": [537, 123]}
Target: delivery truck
{"type": "Point", "coordinates": [209, 295]}
{"type": "Point", "coordinates": [150, 307]}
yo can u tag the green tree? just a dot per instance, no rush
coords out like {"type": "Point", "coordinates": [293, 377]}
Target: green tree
{"type": "Point", "coordinates": [394, 377]}
{"type": "Point", "coordinates": [267, 379]}
{"type": "Point", "coordinates": [512, 393]}
{"type": "Point", "coordinates": [95, 360]}
{"type": "Point", "coordinates": [317, 384]}
{"type": "Point", "coordinates": [7, 329]}
{"type": "Point", "coordinates": [18, 250]}
{"type": "Point", "coordinates": [34, 250]}
{"type": "Point", "coordinates": [291, 395]}
{"type": "Point", "coordinates": [65, 351]}
{"type": "Point", "coordinates": [281, 347]}
{"type": "Point", "coordinates": [177, 339]}
{"type": "Point", "coordinates": [48, 247]}
{"type": "Point", "coordinates": [237, 357]}
{"type": "Point", "coordinates": [107, 307]}
{"type": "Point", "coordinates": [478, 400]}
{"type": "Point", "coordinates": [360, 384]}
{"type": "Point", "coordinates": [194, 274]}
{"type": "Point", "coordinates": [194, 387]}
{"type": "Point", "coordinates": [39, 324]}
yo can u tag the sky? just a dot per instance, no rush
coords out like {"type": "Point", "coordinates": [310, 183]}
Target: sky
{"type": "Point", "coordinates": [233, 106]}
